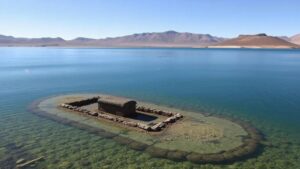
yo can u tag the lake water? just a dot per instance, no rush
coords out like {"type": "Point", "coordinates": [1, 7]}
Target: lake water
{"type": "Point", "coordinates": [261, 86]}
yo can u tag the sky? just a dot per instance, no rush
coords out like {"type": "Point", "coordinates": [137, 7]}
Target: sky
{"type": "Point", "coordinates": [110, 18]}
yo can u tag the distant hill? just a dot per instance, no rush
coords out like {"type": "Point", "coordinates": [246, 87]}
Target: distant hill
{"type": "Point", "coordinates": [80, 40]}
{"type": "Point", "coordinates": [165, 39]}
{"type": "Point", "coordinates": [256, 41]}
{"type": "Point", "coordinates": [12, 41]}
{"type": "Point", "coordinates": [286, 38]}
{"type": "Point", "coordinates": [156, 39]}
{"type": "Point", "coordinates": [161, 39]}
{"type": "Point", "coordinates": [295, 39]}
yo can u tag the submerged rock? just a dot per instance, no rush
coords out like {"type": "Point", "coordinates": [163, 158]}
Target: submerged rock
{"type": "Point", "coordinates": [157, 152]}
{"type": "Point", "coordinates": [123, 140]}
{"type": "Point", "coordinates": [138, 146]}
{"type": "Point", "coordinates": [19, 161]}
{"type": "Point", "coordinates": [177, 155]}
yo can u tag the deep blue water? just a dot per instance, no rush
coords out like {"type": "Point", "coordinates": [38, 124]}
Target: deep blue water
{"type": "Point", "coordinates": [261, 86]}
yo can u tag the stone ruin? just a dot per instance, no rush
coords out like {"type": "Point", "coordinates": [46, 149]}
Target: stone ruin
{"type": "Point", "coordinates": [251, 146]}
{"type": "Point", "coordinates": [116, 111]}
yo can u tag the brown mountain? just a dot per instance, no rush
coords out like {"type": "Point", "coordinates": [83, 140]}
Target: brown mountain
{"type": "Point", "coordinates": [256, 41]}
{"type": "Point", "coordinates": [160, 39]}
{"type": "Point", "coordinates": [163, 39]}
{"type": "Point", "coordinates": [80, 40]}
{"type": "Point", "coordinates": [295, 39]}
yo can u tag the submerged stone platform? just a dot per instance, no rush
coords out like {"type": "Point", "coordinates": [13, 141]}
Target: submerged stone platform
{"type": "Point", "coordinates": [81, 107]}
{"type": "Point", "coordinates": [161, 131]}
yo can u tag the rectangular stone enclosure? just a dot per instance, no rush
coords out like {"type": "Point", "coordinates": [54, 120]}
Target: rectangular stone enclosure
{"type": "Point", "coordinates": [120, 107]}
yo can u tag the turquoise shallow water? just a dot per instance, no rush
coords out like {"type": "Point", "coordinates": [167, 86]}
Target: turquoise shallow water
{"type": "Point", "coordinates": [261, 86]}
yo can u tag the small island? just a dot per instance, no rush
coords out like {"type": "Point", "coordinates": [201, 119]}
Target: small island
{"type": "Point", "coordinates": [161, 131]}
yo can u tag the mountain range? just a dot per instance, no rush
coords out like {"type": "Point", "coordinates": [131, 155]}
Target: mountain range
{"type": "Point", "coordinates": [257, 41]}
{"type": "Point", "coordinates": [154, 39]}
{"type": "Point", "coordinates": [295, 39]}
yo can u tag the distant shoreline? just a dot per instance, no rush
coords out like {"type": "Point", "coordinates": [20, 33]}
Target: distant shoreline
{"type": "Point", "coordinates": [154, 47]}
{"type": "Point", "coordinates": [168, 39]}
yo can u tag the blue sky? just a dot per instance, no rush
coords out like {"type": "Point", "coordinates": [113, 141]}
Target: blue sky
{"type": "Point", "coordinates": [110, 18]}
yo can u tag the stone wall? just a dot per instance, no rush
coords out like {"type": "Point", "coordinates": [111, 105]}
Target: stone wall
{"type": "Point", "coordinates": [172, 117]}
{"type": "Point", "coordinates": [84, 102]}
{"type": "Point", "coordinates": [77, 106]}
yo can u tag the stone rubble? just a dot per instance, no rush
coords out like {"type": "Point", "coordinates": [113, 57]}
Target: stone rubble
{"type": "Point", "coordinates": [158, 126]}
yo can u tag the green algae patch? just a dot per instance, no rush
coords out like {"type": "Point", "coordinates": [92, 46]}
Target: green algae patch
{"type": "Point", "coordinates": [196, 137]}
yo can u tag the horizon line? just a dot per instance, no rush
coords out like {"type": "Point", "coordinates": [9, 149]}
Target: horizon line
{"type": "Point", "coordinates": [17, 36]}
